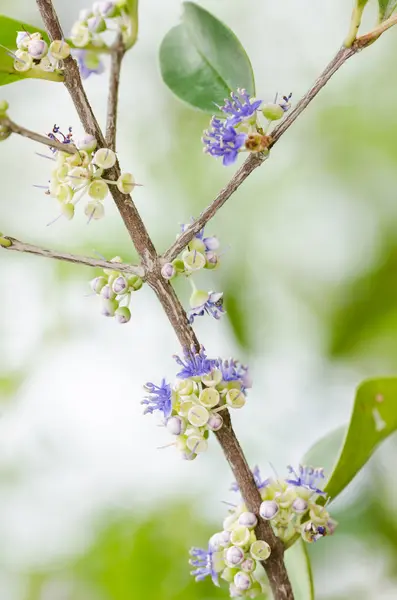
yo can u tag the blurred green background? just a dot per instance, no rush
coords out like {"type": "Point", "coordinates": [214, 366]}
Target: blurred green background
{"type": "Point", "coordinates": [89, 508]}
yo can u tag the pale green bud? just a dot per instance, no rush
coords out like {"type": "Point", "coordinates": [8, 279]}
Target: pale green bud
{"type": "Point", "coordinates": [248, 519]}
{"type": "Point", "coordinates": [94, 210]}
{"type": "Point", "coordinates": [23, 39]}
{"type": "Point", "coordinates": [273, 112]}
{"type": "Point", "coordinates": [215, 422]}
{"type": "Point", "coordinates": [213, 378]}
{"type": "Point", "coordinates": [98, 284]}
{"type": "Point", "coordinates": [228, 574]}
{"type": "Point", "coordinates": [198, 298]}
{"type": "Point", "coordinates": [4, 106]}
{"type": "Point", "coordinates": [107, 292]}
{"type": "Point", "coordinates": [87, 143]}
{"type": "Point", "coordinates": [184, 387]}
{"type": "Point", "coordinates": [46, 65]}
{"type": "Point", "coordinates": [235, 398]}
{"type": "Point", "coordinates": [79, 159]}
{"type": "Point", "coordinates": [135, 283]}
{"type": "Point", "coordinates": [212, 260]}
{"type": "Point", "coordinates": [234, 556]}
{"type": "Point", "coordinates": [318, 514]}
{"type": "Point", "coordinates": [179, 265]}
{"type": "Point", "coordinates": [61, 173]}
{"type": "Point", "coordinates": [197, 244]}
{"type": "Point", "coordinates": [168, 271]}
{"type": "Point", "coordinates": [193, 260]}
{"type": "Point", "coordinates": [4, 242]}
{"type": "Point", "coordinates": [120, 285]}
{"type": "Point", "coordinates": [126, 183]}
{"type": "Point", "coordinates": [59, 49]}
{"type": "Point", "coordinates": [197, 444]}
{"type": "Point", "coordinates": [23, 61]}
{"type": "Point", "coordinates": [77, 175]}
{"type": "Point", "coordinates": [242, 581]}
{"type": "Point", "coordinates": [105, 158]}
{"type": "Point", "coordinates": [123, 314]}
{"type": "Point", "coordinates": [198, 416]}
{"type": "Point", "coordinates": [209, 397]}
{"type": "Point", "coordinates": [109, 307]}
{"type": "Point", "coordinates": [260, 550]}
{"type": "Point", "coordinates": [67, 210]}
{"type": "Point", "coordinates": [185, 407]}
{"type": "Point", "coordinates": [176, 425]}
{"type": "Point", "coordinates": [64, 193]}
{"type": "Point", "coordinates": [37, 49]}
{"type": "Point", "coordinates": [240, 536]}
{"type": "Point", "coordinates": [96, 25]}
{"type": "Point", "coordinates": [248, 565]}
{"type": "Point", "coordinates": [98, 189]}
{"type": "Point", "coordinates": [80, 35]}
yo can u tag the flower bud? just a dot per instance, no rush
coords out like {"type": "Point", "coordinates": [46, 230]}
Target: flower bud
{"type": "Point", "coordinates": [94, 210]}
{"type": "Point", "coordinates": [240, 536]}
{"type": "Point", "coordinates": [196, 444]}
{"type": "Point", "coordinates": [67, 210]}
{"type": "Point", "coordinates": [215, 422]}
{"type": "Point", "coordinates": [64, 193]}
{"type": "Point", "coordinates": [4, 242]}
{"type": "Point", "coordinates": [87, 143]}
{"type": "Point", "coordinates": [106, 9]}
{"type": "Point", "coordinates": [197, 244]}
{"type": "Point", "coordinates": [179, 265]}
{"type": "Point", "coordinates": [260, 550]}
{"type": "Point", "coordinates": [23, 39]}
{"type": "Point", "coordinates": [185, 387]}
{"type": "Point", "coordinates": [273, 112]}
{"type": "Point", "coordinates": [209, 397]}
{"type": "Point", "coordinates": [248, 519]}
{"type": "Point", "coordinates": [96, 24]}
{"type": "Point", "coordinates": [184, 408]}
{"type": "Point", "coordinates": [224, 537]}
{"type": "Point", "coordinates": [135, 283]}
{"type": "Point", "coordinates": [228, 574]}
{"type": "Point", "coordinates": [126, 183]}
{"type": "Point", "coordinates": [176, 425]}
{"type": "Point", "coordinates": [193, 260]}
{"type": "Point", "coordinates": [98, 284]}
{"type": "Point", "coordinates": [212, 260]}
{"type": "Point", "coordinates": [46, 65]}
{"type": "Point", "coordinates": [198, 298]}
{"type": "Point", "coordinates": [23, 61]}
{"type": "Point", "coordinates": [242, 581]}
{"type": "Point", "coordinates": [234, 556]}
{"type": "Point", "coordinates": [105, 158]}
{"type": "Point", "coordinates": [168, 271]}
{"type": "Point", "coordinates": [213, 378]}
{"type": "Point", "coordinates": [211, 243]}
{"type": "Point", "coordinates": [198, 416]}
{"type": "Point", "coordinates": [107, 292]}
{"type": "Point", "coordinates": [248, 565]}
{"type": "Point", "coordinates": [235, 398]}
{"type": "Point", "coordinates": [60, 49]}
{"type": "Point", "coordinates": [268, 509]}
{"type": "Point", "coordinates": [37, 49]}
{"type": "Point", "coordinates": [4, 106]}
{"type": "Point", "coordinates": [109, 307]}
{"type": "Point", "coordinates": [299, 505]}
{"type": "Point", "coordinates": [120, 285]}
{"type": "Point", "coordinates": [80, 35]}
{"type": "Point", "coordinates": [98, 189]}
{"type": "Point", "coordinates": [78, 174]}
{"type": "Point", "coordinates": [123, 314]}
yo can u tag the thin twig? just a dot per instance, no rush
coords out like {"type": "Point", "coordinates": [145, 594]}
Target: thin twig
{"type": "Point", "coordinates": [36, 137]}
{"type": "Point", "coordinates": [275, 567]}
{"type": "Point", "coordinates": [368, 38]}
{"type": "Point", "coordinates": [112, 113]}
{"type": "Point", "coordinates": [255, 160]}
{"type": "Point", "coordinates": [18, 246]}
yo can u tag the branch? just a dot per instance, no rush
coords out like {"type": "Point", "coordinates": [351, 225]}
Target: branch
{"type": "Point", "coordinates": [372, 36]}
{"type": "Point", "coordinates": [36, 137]}
{"type": "Point", "coordinates": [18, 246]}
{"type": "Point", "coordinates": [111, 123]}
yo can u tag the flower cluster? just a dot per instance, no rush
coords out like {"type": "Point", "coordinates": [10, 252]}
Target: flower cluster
{"type": "Point", "coordinates": [108, 15]}
{"type": "Point", "coordinates": [34, 52]}
{"type": "Point", "coordinates": [235, 555]}
{"type": "Point", "coordinates": [75, 175]}
{"type": "Point", "coordinates": [191, 408]}
{"type": "Point", "coordinates": [201, 253]}
{"type": "Point", "coordinates": [240, 129]}
{"type": "Point", "coordinates": [115, 289]}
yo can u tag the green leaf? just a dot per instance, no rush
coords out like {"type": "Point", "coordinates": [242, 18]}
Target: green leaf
{"type": "Point", "coordinates": [202, 60]}
{"type": "Point", "coordinates": [8, 34]}
{"type": "Point", "coordinates": [374, 418]}
{"type": "Point", "coordinates": [299, 571]}
{"type": "Point", "coordinates": [386, 8]}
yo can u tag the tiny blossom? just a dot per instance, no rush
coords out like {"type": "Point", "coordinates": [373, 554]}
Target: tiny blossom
{"type": "Point", "coordinates": [203, 561]}
{"type": "Point", "coordinates": [239, 108]}
{"type": "Point", "coordinates": [159, 398]}
{"type": "Point", "coordinates": [89, 63]}
{"type": "Point", "coordinates": [222, 140]}
{"type": "Point", "coordinates": [194, 364]}
{"type": "Point", "coordinates": [260, 483]}
{"type": "Point", "coordinates": [285, 103]}
{"type": "Point", "coordinates": [213, 306]}
{"type": "Point", "coordinates": [307, 478]}
{"type": "Point", "coordinates": [57, 135]}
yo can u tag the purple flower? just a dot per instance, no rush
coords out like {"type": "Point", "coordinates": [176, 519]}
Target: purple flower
{"type": "Point", "coordinates": [194, 364]}
{"type": "Point", "coordinates": [159, 398]}
{"type": "Point", "coordinates": [222, 140]}
{"type": "Point", "coordinates": [57, 135]}
{"type": "Point", "coordinates": [239, 108]}
{"type": "Point", "coordinates": [307, 478]}
{"type": "Point", "coordinates": [232, 370]}
{"type": "Point", "coordinates": [89, 62]}
{"type": "Point", "coordinates": [285, 103]}
{"type": "Point", "coordinates": [213, 306]}
{"type": "Point", "coordinates": [260, 483]}
{"type": "Point", "coordinates": [203, 561]}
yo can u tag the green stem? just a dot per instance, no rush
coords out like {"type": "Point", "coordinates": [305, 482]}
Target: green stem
{"type": "Point", "coordinates": [354, 25]}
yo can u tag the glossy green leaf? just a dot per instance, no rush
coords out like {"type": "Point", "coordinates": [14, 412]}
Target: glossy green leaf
{"type": "Point", "coordinates": [202, 60]}
{"type": "Point", "coordinates": [386, 8]}
{"type": "Point", "coordinates": [299, 571]}
{"type": "Point", "coordinates": [8, 33]}
{"type": "Point", "coordinates": [374, 418]}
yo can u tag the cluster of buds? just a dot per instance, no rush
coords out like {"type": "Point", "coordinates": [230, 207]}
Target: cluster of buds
{"type": "Point", "coordinates": [235, 555]}
{"type": "Point", "coordinates": [115, 289]}
{"type": "Point", "coordinates": [34, 52]}
{"type": "Point", "coordinates": [201, 253]}
{"type": "Point", "coordinates": [75, 175]}
{"type": "Point", "coordinates": [241, 130]}
{"type": "Point", "coordinates": [108, 15]}
{"type": "Point", "coordinates": [192, 407]}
